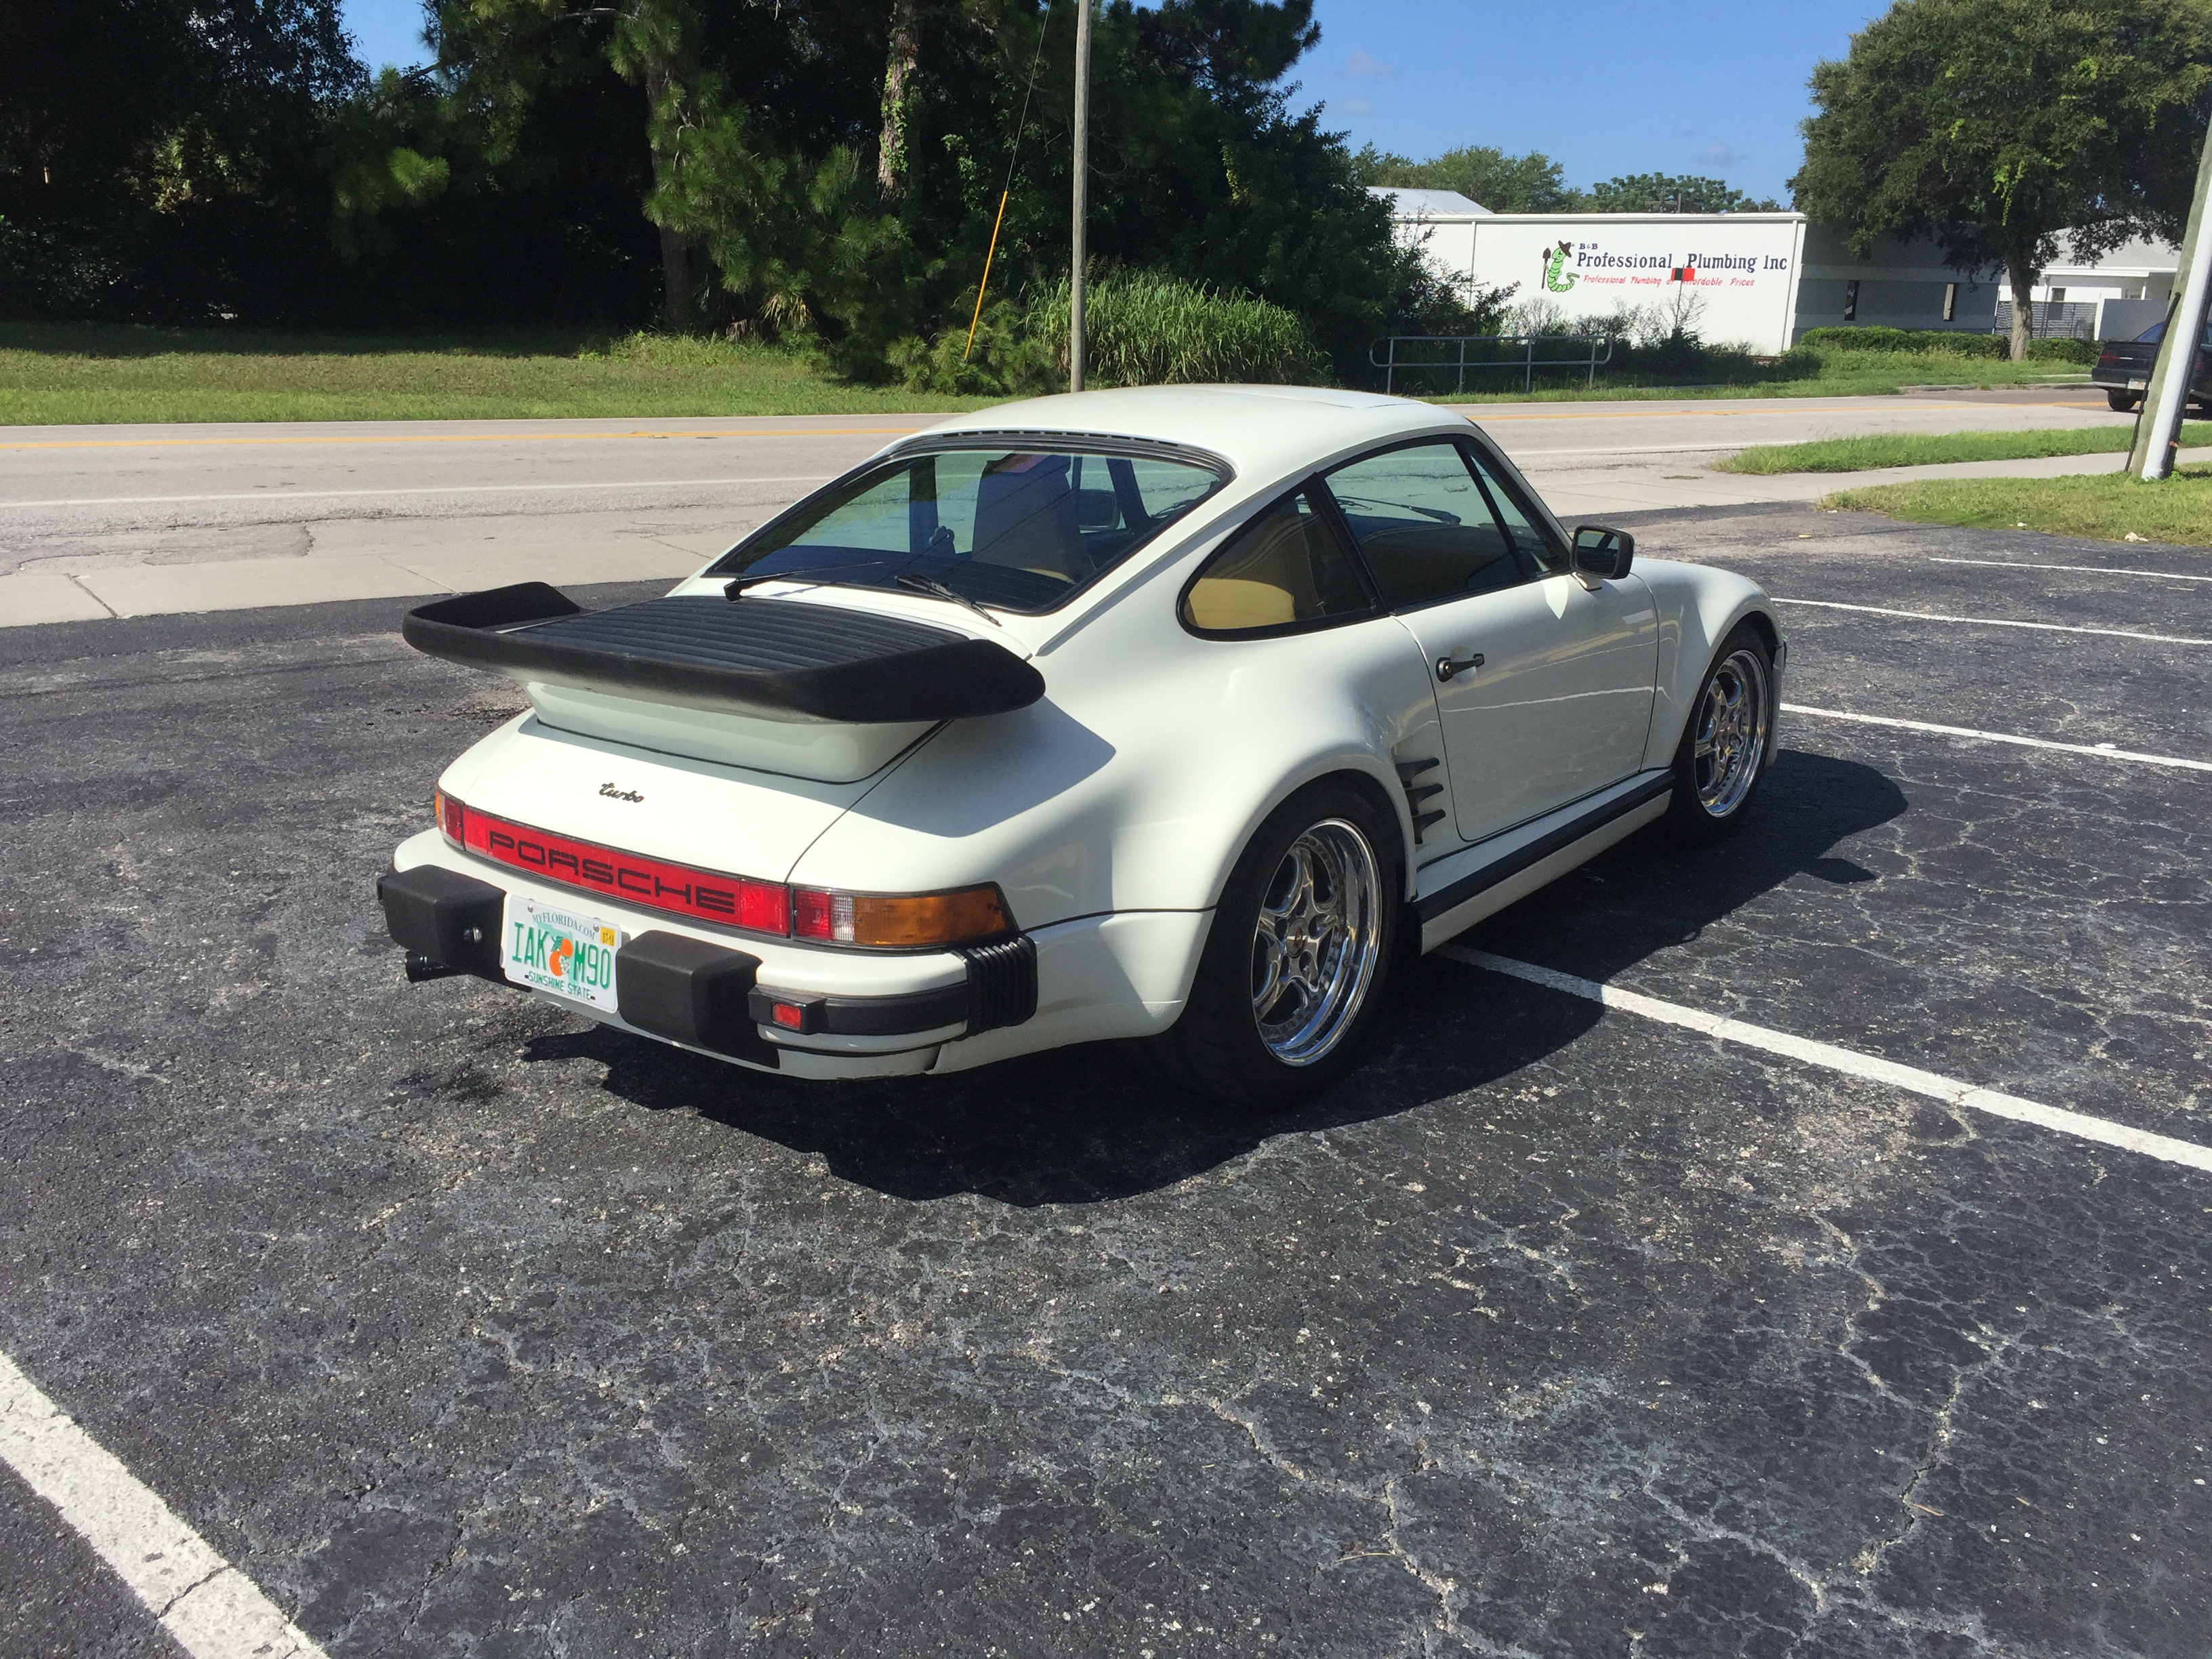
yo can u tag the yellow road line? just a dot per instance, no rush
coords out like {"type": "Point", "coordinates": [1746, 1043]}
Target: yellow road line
{"type": "Point", "coordinates": [463, 437]}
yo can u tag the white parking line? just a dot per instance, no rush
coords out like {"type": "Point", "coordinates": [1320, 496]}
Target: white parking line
{"type": "Point", "coordinates": [1950, 1091]}
{"type": "Point", "coordinates": [1998, 622]}
{"type": "Point", "coordinates": [213, 1610]}
{"type": "Point", "coordinates": [2081, 570]}
{"type": "Point", "coordinates": [2101, 752]}
{"type": "Point", "coordinates": [412, 489]}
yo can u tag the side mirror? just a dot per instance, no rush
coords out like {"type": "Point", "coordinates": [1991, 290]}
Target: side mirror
{"type": "Point", "coordinates": [1603, 553]}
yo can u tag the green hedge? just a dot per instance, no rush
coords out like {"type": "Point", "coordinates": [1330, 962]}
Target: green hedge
{"type": "Point", "coordinates": [2061, 351]}
{"type": "Point", "coordinates": [1957, 342]}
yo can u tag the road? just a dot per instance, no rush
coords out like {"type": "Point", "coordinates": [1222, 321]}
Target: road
{"type": "Point", "coordinates": [97, 521]}
{"type": "Point", "coordinates": [454, 1324]}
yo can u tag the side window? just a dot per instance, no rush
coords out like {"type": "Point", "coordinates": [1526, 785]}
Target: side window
{"type": "Point", "coordinates": [1286, 565]}
{"type": "Point", "coordinates": [1526, 535]}
{"type": "Point", "coordinates": [1426, 529]}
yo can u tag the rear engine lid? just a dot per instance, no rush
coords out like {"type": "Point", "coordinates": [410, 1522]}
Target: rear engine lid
{"type": "Point", "coordinates": [668, 807]}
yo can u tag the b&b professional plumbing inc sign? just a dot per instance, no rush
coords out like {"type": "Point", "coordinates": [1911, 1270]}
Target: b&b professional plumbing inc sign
{"type": "Point", "coordinates": [1742, 268]}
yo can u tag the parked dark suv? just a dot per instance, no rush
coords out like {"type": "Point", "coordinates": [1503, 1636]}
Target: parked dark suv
{"type": "Point", "coordinates": [2123, 368]}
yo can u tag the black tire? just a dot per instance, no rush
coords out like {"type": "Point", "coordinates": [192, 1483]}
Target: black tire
{"type": "Point", "coordinates": [1709, 803]}
{"type": "Point", "coordinates": [2124, 402]}
{"type": "Point", "coordinates": [1217, 1046]}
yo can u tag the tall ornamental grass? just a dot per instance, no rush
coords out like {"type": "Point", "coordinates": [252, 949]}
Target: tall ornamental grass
{"type": "Point", "coordinates": [1156, 331]}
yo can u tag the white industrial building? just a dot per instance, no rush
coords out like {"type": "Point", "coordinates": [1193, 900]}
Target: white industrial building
{"type": "Point", "coordinates": [1759, 279]}
{"type": "Point", "coordinates": [2131, 288]}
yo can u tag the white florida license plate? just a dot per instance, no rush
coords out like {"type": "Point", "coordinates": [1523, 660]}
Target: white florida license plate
{"type": "Point", "coordinates": [561, 952]}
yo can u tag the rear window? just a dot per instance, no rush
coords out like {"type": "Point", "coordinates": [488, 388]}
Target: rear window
{"type": "Point", "coordinates": [1017, 529]}
{"type": "Point", "coordinates": [2156, 332]}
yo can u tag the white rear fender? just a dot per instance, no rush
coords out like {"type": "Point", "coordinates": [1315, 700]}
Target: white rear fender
{"type": "Point", "coordinates": [1699, 608]}
{"type": "Point", "coordinates": [1136, 782]}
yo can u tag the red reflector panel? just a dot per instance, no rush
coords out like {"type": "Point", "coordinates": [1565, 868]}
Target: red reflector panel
{"type": "Point", "coordinates": [759, 907]}
{"type": "Point", "coordinates": [786, 1014]}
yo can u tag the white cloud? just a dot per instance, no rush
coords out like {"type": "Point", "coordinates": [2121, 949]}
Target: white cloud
{"type": "Point", "coordinates": [1719, 156]}
{"type": "Point", "coordinates": [1355, 107]}
{"type": "Point", "coordinates": [1361, 64]}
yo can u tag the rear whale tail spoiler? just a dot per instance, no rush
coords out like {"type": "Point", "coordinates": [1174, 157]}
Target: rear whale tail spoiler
{"type": "Point", "coordinates": [774, 660]}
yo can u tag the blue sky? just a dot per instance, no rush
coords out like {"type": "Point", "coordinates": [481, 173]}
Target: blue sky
{"type": "Point", "coordinates": [1607, 86]}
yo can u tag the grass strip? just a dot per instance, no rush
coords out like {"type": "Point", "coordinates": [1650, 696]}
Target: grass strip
{"type": "Point", "coordinates": [1930, 449]}
{"type": "Point", "coordinates": [2110, 507]}
{"type": "Point", "coordinates": [88, 374]}
{"type": "Point", "coordinates": [60, 375]}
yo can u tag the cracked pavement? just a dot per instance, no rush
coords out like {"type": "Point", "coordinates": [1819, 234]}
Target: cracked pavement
{"type": "Point", "coordinates": [463, 1326]}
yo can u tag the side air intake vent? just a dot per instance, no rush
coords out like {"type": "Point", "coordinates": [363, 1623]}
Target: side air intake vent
{"type": "Point", "coordinates": [1408, 774]}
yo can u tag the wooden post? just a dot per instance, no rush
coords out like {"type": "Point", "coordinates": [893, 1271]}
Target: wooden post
{"type": "Point", "coordinates": [1075, 282]}
{"type": "Point", "coordinates": [2158, 434]}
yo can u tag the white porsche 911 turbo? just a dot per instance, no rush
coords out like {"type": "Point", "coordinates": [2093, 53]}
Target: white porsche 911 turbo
{"type": "Point", "coordinates": [1170, 713]}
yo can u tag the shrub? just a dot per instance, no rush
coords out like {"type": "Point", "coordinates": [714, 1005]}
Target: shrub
{"type": "Point", "coordinates": [1142, 330]}
{"type": "Point", "coordinates": [2061, 351]}
{"type": "Point", "coordinates": [1157, 331]}
{"type": "Point", "coordinates": [1003, 359]}
{"type": "Point", "coordinates": [1958, 343]}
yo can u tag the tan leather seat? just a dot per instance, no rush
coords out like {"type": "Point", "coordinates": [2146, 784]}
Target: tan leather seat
{"type": "Point", "coordinates": [1226, 603]}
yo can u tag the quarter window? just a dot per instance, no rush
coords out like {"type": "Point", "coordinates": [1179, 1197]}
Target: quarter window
{"type": "Point", "coordinates": [1535, 546]}
{"type": "Point", "coordinates": [1424, 526]}
{"type": "Point", "coordinates": [1284, 567]}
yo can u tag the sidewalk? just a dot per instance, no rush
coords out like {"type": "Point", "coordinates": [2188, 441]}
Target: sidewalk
{"type": "Point", "coordinates": [399, 558]}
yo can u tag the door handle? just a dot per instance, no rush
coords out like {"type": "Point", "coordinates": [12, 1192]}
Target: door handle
{"type": "Point", "coordinates": [1447, 667]}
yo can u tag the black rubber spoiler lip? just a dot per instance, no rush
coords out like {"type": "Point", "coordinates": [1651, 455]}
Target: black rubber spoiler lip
{"type": "Point", "coordinates": [956, 680]}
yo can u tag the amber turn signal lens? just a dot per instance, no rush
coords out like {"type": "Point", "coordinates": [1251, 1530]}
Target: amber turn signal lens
{"type": "Point", "coordinates": [900, 921]}
{"type": "Point", "coordinates": [453, 819]}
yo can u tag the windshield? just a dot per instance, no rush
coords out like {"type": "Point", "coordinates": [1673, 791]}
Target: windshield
{"type": "Point", "coordinates": [1019, 530]}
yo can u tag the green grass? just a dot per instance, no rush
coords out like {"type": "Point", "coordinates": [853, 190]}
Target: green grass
{"type": "Point", "coordinates": [2102, 507]}
{"type": "Point", "coordinates": [89, 374]}
{"type": "Point", "coordinates": [1807, 372]}
{"type": "Point", "coordinates": [96, 374]}
{"type": "Point", "coordinates": [1929, 449]}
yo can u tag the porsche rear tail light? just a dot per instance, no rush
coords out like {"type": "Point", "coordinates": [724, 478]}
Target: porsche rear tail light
{"type": "Point", "coordinates": [888, 922]}
{"type": "Point", "coordinates": [896, 921]}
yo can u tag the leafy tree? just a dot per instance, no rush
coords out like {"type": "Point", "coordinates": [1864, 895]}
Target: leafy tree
{"type": "Point", "coordinates": [1667, 192]}
{"type": "Point", "coordinates": [162, 160]}
{"type": "Point", "coordinates": [1482, 172]}
{"type": "Point", "coordinates": [1997, 125]}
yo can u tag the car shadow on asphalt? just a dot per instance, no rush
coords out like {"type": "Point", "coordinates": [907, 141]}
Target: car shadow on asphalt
{"type": "Point", "coordinates": [1081, 1126]}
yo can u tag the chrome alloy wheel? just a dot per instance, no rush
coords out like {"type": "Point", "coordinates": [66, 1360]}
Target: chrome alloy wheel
{"type": "Point", "coordinates": [1732, 721]}
{"type": "Point", "coordinates": [1316, 943]}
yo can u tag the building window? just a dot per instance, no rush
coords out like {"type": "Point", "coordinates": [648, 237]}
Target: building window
{"type": "Point", "coordinates": [1950, 303]}
{"type": "Point", "coordinates": [1852, 301]}
{"type": "Point", "coordinates": [2058, 296]}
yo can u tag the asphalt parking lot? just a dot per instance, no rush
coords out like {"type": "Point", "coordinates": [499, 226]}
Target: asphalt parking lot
{"type": "Point", "coordinates": [462, 1327]}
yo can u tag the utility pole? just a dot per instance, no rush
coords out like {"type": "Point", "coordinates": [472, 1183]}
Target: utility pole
{"type": "Point", "coordinates": [1075, 284]}
{"type": "Point", "coordinates": [2158, 434]}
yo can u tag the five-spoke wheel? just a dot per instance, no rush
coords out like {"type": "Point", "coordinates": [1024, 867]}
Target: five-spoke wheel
{"type": "Point", "coordinates": [1298, 953]}
{"type": "Point", "coordinates": [1723, 750]}
{"type": "Point", "coordinates": [1315, 942]}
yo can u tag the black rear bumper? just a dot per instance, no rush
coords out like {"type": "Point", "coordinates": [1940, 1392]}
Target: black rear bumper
{"type": "Point", "coordinates": [699, 993]}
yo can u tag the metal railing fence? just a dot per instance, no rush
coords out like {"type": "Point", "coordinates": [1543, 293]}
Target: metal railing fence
{"type": "Point", "coordinates": [1591, 353]}
{"type": "Point", "coordinates": [2052, 320]}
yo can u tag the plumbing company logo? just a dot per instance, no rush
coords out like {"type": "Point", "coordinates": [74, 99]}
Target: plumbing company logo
{"type": "Point", "coordinates": [1557, 276]}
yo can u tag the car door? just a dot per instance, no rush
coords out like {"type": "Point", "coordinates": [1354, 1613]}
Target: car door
{"type": "Point", "coordinates": [1544, 681]}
